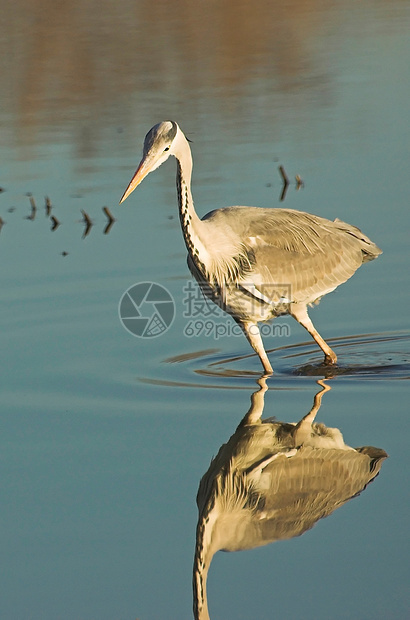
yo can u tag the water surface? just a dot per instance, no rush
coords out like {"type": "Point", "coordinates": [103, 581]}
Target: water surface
{"type": "Point", "coordinates": [104, 437]}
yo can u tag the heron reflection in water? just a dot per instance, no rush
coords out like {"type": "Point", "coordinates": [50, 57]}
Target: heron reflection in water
{"type": "Point", "coordinates": [273, 481]}
{"type": "Point", "coordinates": [257, 264]}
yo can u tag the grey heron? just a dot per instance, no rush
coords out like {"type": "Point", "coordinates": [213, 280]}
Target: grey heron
{"type": "Point", "coordinates": [253, 262]}
{"type": "Point", "coordinates": [273, 481]}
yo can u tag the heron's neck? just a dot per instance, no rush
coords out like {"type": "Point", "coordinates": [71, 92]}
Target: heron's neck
{"type": "Point", "coordinates": [202, 560]}
{"type": "Point", "coordinates": [190, 222]}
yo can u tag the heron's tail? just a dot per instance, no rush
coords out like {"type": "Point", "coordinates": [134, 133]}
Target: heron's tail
{"type": "Point", "coordinates": [370, 251]}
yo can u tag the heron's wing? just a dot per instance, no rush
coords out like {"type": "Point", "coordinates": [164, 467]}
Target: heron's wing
{"type": "Point", "coordinates": [315, 482]}
{"type": "Point", "coordinates": [294, 493]}
{"type": "Point", "coordinates": [310, 254]}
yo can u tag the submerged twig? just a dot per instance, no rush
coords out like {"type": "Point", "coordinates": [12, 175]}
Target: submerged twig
{"type": "Point", "coordinates": [284, 175]}
{"type": "Point", "coordinates": [88, 223]}
{"type": "Point", "coordinates": [108, 227]}
{"type": "Point", "coordinates": [86, 217]}
{"type": "Point", "coordinates": [108, 213]}
{"type": "Point", "coordinates": [285, 180]}
{"type": "Point", "coordinates": [111, 220]}
{"type": "Point", "coordinates": [32, 215]}
{"type": "Point", "coordinates": [55, 223]}
{"type": "Point", "coordinates": [47, 205]}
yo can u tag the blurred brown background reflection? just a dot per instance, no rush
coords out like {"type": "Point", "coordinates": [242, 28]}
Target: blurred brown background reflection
{"type": "Point", "coordinates": [77, 59]}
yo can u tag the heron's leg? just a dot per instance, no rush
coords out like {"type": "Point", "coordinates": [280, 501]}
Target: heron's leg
{"type": "Point", "coordinates": [251, 331]}
{"type": "Point", "coordinates": [300, 314]}
{"type": "Point", "coordinates": [303, 428]}
{"type": "Point", "coordinates": [253, 416]}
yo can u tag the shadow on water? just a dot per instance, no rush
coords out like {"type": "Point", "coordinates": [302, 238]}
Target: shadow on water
{"type": "Point", "coordinates": [273, 481]}
{"type": "Point", "coordinates": [365, 356]}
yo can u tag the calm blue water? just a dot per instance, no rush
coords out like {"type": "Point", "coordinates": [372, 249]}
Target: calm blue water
{"type": "Point", "coordinates": [104, 436]}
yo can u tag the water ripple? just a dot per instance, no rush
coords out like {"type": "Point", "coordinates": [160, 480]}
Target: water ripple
{"type": "Point", "coordinates": [375, 356]}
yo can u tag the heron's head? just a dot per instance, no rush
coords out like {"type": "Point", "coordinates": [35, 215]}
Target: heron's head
{"type": "Point", "coordinates": [158, 146]}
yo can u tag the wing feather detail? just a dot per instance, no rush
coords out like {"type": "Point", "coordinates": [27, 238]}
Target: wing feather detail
{"type": "Point", "coordinates": [310, 254]}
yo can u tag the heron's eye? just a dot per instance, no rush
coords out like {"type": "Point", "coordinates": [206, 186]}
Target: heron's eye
{"type": "Point", "coordinates": [166, 148]}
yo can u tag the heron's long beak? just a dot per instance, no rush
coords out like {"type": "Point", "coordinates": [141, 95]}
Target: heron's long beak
{"type": "Point", "coordinates": [143, 169]}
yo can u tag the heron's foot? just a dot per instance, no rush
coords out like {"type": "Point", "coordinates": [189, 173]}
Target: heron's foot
{"type": "Point", "coordinates": [267, 370]}
{"type": "Point", "coordinates": [330, 359]}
